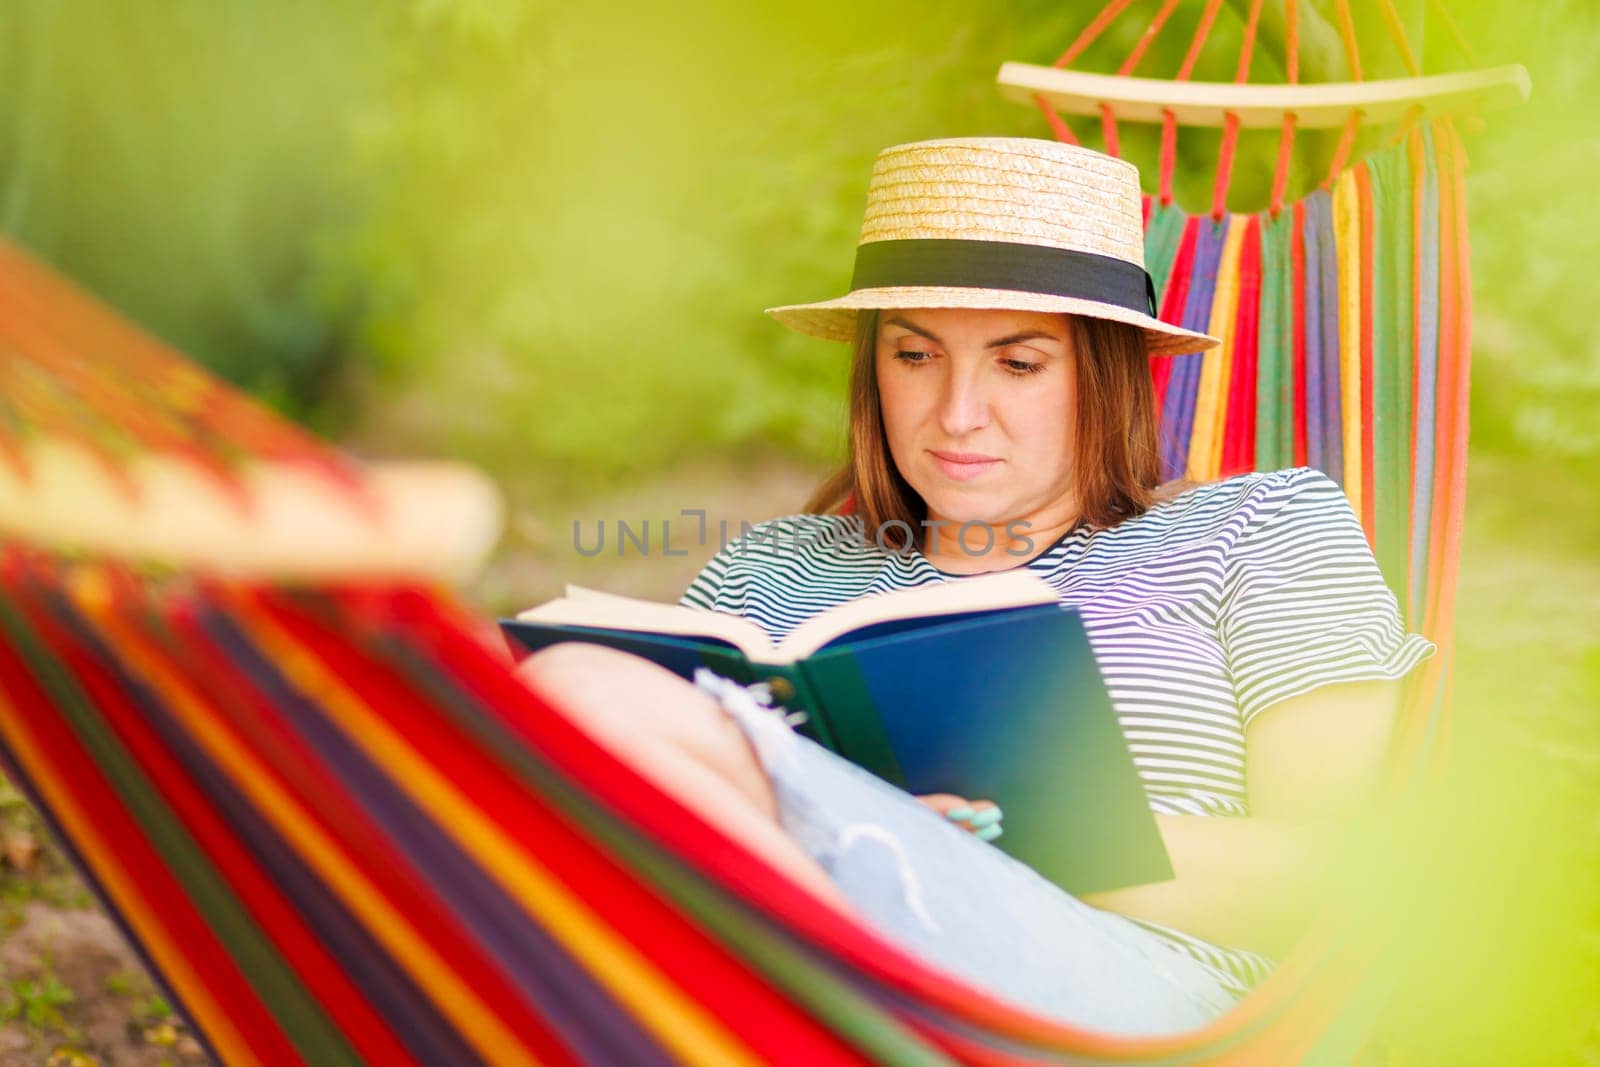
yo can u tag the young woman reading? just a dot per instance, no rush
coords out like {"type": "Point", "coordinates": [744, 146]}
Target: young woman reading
{"type": "Point", "coordinates": [1002, 410]}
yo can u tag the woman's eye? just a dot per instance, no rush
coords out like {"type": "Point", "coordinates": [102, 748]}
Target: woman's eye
{"type": "Point", "coordinates": [913, 355]}
{"type": "Point", "coordinates": [1022, 366]}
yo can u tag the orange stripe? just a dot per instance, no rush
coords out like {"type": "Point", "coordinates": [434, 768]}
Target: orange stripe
{"type": "Point", "coordinates": [1347, 242]}
{"type": "Point", "coordinates": [1363, 397]}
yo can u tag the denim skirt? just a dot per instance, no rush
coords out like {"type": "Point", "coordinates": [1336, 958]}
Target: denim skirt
{"type": "Point", "coordinates": [961, 904]}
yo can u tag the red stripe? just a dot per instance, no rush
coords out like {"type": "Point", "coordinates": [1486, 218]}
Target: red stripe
{"type": "Point", "coordinates": [1252, 312]}
{"type": "Point", "coordinates": [1369, 488]}
{"type": "Point", "coordinates": [1239, 433]}
{"type": "Point", "coordinates": [1445, 385]}
{"type": "Point", "coordinates": [158, 897]}
{"type": "Point", "coordinates": [322, 973]}
{"type": "Point", "coordinates": [707, 973]}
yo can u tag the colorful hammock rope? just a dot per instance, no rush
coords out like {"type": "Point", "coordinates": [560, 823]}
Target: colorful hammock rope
{"type": "Point", "coordinates": [76, 371]}
{"type": "Point", "coordinates": [1343, 321]}
{"type": "Point", "coordinates": [343, 832]}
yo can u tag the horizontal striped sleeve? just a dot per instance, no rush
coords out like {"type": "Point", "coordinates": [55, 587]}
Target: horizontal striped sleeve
{"type": "Point", "coordinates": [713, 588]}
{"type": "Point", "coordinates": [1303, 602]}
{"type": "Point", "coordinates": [703, 591]}
{"type": "Point", "coordinates": [780, 572]}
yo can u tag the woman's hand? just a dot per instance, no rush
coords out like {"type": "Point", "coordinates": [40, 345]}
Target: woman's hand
{"type": "Point", "coordinates": [981, 817]}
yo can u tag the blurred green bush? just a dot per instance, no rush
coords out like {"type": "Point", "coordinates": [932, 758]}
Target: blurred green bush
{"type": "Point", "coordinates": [540, 235]}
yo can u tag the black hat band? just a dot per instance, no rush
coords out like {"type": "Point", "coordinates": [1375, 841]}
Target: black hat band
{"type": "Point", "coordinates": [1004, 265]}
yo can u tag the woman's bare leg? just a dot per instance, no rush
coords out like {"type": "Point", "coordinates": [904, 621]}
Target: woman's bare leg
{"type": "Point", "coordinates": [678, 736]}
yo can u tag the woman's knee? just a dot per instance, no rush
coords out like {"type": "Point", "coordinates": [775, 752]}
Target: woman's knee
{"type": "Point", "coordinates": [598, 680]}
{"type": "Point", "coordinates": [622, 693]}
{"type": "Point", "coordinates": [571, 668]}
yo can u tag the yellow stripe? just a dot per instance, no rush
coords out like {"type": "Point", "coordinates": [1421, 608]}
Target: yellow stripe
{"type": "Point", "coordinates": [212, 1018]}
{"type": "Point", "coordinates": [1347, 239]}
{"type": "Point", "coordinates": [476, 1022]}
{"type": "Point", "coordinates": [1211, 399]}
{"type": "Point", "coordinates": [654, 999]}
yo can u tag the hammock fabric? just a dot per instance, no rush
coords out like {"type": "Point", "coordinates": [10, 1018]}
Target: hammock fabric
{"type": "Point", "coordinates": [340, 830]}
{"type": "Point", "coordinates": [75, 371]}
{"type": "Point", "coordinates": [1340, 351]}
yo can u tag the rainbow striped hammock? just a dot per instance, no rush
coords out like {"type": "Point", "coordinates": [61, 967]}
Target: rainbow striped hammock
{"type": "Point", "coordinates": [340, 831]}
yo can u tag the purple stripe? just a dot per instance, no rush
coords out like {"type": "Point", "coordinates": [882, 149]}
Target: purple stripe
{"type": "Point", "coordinates": [558, 989]}
{"type": "Point", "coordinates": [1427, 372]}
{"type": "Point", "coordinates": [1332, 412]}
{"type": "Point", "coordinates": [1311, 240]}
{"type": "Point", "coordinates": [1323, 443]}
{"type": "Point", "coordinates": [1177, 411]}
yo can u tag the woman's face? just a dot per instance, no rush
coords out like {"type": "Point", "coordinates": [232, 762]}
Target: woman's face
{"type": "Point", "coordinates": [979, 406]}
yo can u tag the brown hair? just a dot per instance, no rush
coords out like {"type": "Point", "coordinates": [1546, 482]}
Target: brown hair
{"type": "Point", "coordinates": [1116, 462]}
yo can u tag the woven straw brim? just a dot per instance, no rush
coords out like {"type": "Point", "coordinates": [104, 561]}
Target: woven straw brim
{"type": "Point", "coordinates": [835, 320]}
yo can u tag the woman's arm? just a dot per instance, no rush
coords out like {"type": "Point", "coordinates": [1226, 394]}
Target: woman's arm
{"type": "Point", "coordinates": [1312, 762]}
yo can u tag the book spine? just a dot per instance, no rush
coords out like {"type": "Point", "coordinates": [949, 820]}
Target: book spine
{"type": "Point", "coordinates": [787, 684]}
{"type": "Point", "coordinates": [805, 698]}
{"type": "Point", "coordinates": [853, 719]}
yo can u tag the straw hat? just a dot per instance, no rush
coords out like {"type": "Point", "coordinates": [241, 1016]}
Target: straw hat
{"type": "Point", "coordinates": [1000, 222]}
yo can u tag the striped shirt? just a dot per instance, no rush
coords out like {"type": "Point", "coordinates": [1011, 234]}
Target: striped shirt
{"type": "Point", "coordinates": [1202, 612]}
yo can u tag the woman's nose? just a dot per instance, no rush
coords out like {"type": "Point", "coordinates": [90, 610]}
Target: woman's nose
{"type": "Point", "coordinates": [964, 405]}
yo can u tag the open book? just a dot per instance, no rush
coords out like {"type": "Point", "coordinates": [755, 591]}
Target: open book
{"type": "Point", "coordinates": [591, 607]}
{"type": "Point", "coordinates": [985, 687]}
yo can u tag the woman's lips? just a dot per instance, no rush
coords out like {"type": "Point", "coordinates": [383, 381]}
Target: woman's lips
{"type": "Point", "coordinates": [963, 466]}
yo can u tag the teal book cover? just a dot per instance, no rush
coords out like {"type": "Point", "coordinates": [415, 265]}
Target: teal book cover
{"type": "Point", "coordinates": [1006, 705]}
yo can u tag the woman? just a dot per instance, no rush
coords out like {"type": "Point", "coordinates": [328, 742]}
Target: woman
{"type": "Point", "coordinates": [1002, 414]}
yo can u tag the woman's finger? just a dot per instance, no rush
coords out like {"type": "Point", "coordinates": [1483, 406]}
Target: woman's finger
{"type": "Point", "coordinates": [989, 814]}
{"type": "Point", "coordinates": [985, 820]}
{"type": "Point", "coordinates": [946, 804]}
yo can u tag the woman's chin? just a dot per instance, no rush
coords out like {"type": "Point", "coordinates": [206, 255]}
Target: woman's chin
{"type": "Point", "coordinates": [969, 505]}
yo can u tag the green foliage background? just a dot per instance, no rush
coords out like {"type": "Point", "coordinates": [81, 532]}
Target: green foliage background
{"type": "Point", "coordinates": [540, 235]}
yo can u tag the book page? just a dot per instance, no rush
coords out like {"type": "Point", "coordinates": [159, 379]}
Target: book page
{"type": "Point", "coordinates": [583, 592]}
{"type": "Point", "coordinates": [592, 607]}
{"type": "Point", "coordinates": [979, 593]}
{"type": "Point", "coordinates": [984, 592]}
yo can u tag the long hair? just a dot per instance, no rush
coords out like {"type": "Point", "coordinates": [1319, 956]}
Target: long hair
{"type": "Point", "coordinates": [1116, 461]}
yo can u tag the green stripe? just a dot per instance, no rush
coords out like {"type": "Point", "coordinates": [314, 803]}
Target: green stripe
{"type": "Point", "coordinates": [1275, 364]}
{"type": "Point", "coordinates": [1161, 240]}
{"type": "Point", "coordinates": [1391, 363]}
{"type": "Point", "coordinates": [300, 1016]}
